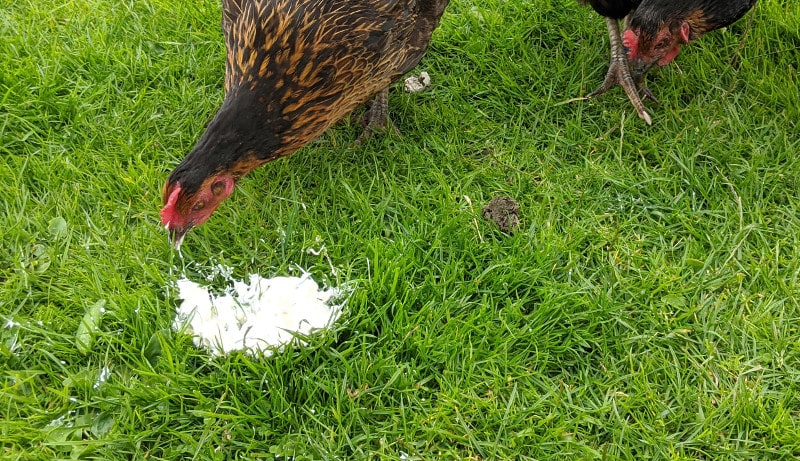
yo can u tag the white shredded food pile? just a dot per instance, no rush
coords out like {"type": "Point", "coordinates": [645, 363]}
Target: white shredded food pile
{"type": "Point", "coordinates": [258, 316]}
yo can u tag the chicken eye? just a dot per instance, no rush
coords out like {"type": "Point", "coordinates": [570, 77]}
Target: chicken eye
{"type": "Point", "coordinates": [199, 205]}
{"type": "Point", "coordinates": [217, 187]}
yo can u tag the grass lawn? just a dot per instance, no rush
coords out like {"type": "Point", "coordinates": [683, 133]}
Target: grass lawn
{"type": "Point", "coordinates": [646, 308]}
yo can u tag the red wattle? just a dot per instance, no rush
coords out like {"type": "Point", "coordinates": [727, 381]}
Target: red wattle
{"type": "Point", "coordinates": [169, 212]}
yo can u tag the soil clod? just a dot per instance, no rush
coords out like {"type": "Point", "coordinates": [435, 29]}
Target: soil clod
{"type": "Point", "coordinates": [505, 212]}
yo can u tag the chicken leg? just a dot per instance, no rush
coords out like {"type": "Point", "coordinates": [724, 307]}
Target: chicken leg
{"type": "Point", "coordinates": [619, 73]}
{"type": "Point", "coordinates": [376, 117]}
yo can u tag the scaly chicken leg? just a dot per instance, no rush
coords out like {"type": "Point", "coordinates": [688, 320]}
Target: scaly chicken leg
{"type": "Point", "coordinates": [376, 117]}
{"type": "Point", "coordinates": [619, 73]}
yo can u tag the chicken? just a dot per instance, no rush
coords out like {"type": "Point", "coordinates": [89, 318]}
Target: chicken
{"type": "Point", "coordinates": [293, 69]}
{"type": "Point", "coordinates": [654, 32]}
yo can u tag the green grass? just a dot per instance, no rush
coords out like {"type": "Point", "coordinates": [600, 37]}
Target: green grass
{"type": "Point", "coordinates": [647, 308]}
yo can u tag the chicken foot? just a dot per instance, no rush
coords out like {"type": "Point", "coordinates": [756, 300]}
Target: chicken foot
{"type": "Point", "coordinates": [619, 73]}
{"type": "Point", "coordinates": [376, 117]}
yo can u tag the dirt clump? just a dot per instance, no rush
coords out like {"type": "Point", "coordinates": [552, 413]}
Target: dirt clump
{"type": "Point", "coordinates": [504, 211]}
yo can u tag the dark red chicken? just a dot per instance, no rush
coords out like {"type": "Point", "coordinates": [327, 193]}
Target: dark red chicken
{"type": "Point", "coordinates": [655, 31]}
{"type": "Point", "coordinates": [294, 68]}
{"type": "Point", "coordinates": [658, 28]}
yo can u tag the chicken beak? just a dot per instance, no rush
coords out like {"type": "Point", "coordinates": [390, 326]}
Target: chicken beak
{"type": "Point", "coordinates": [639, 69]}
{"type": "Point", "coordinates": [176, 235]}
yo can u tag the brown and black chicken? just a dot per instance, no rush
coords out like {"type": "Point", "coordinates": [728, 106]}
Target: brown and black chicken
{"type": "Point", "coordinates": [655, 31]}
{"type": "Point", "coordinates": [294, 68]}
